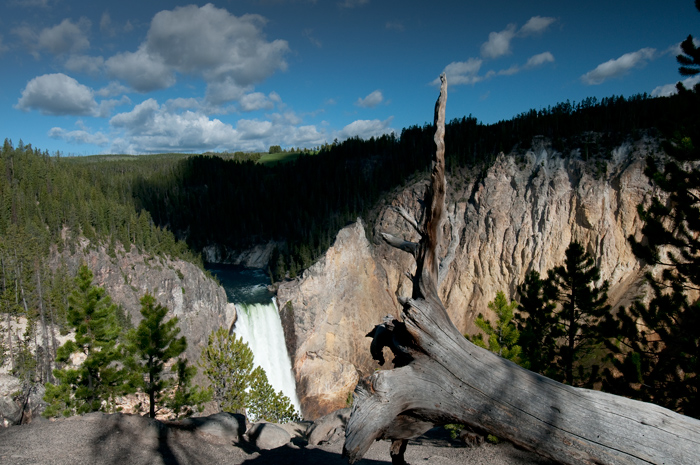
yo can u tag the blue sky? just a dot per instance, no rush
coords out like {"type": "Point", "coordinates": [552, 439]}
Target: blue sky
{"type": "Point", "coordinates": [87, 77]}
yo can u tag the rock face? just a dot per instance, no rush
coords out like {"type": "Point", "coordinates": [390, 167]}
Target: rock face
{"type": "Point", "coordinates": [196, 299]}
{"type": "Point", "coordinates": [326, 314]}
{"type": "Point", "coordinates": [521, 215]}
{"type": "Point", "coordinates": [255, 257]}
{"type": "Point", "coordinates": [19, 404]}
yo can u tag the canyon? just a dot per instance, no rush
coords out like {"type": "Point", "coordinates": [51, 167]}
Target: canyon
{"type": "Point", "coordinates": [517, 216]}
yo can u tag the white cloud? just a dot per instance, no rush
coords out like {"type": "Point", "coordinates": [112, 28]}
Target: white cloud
{"type": "Point", "coordinates": [229, 52]}
{"type": "Point", "coordinates": [462, 72]}
{"type": "Point", "coordinates": [85, 64]}
{"type": "Point", "coordinates": [150, 127]}
{"type": "Point", "coordinates": [670, 89]}
{"type": "Point", "coordinates": [106, 25]}
{"type": "Point", "coordinates": [371, 101]}
{"type": "Point", "coordinates": [141, 70]}
{"type": "Point", "coordinates": [619, 66]}
{"type": "Point", "coordinates": [535, 25]}
{"type": "Point", "coordinates": [257, 101]}
{"type": "Point", "coordinates": [112, 89]}
{"type": "Point", "coordinates": [106, 107]}
{"type": "Point", "coordinates": [539, 60]}
{"type": "Point", "coordinates": [366, 128]}
{"type": "Point", "coordinates": [254, 129]}
{"type": "Point", "coordinates": [65, 37]}
{"type": "Point", "coordinates": [58, 94]}
{"type": "Point", "coordinates": [498, 43]}
{"type": "Point", "coordinates": [182, 103]}
{"type": "Point", "coordinates": [79, 136]}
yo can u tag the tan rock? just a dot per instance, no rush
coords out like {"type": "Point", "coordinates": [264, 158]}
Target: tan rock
{"type": "Point", "coordinates": [520, 216]}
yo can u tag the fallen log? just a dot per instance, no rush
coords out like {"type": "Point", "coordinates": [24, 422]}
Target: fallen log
{"type": "Point", "coordinates": [440, 377]}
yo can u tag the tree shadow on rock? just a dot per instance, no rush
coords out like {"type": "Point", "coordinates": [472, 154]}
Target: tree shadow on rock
{"type": "Point", "coordinates": [304, 456]}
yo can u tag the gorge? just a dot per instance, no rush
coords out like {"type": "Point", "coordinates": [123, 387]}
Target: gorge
{"type": "Point", "coordinates": [518, 215]}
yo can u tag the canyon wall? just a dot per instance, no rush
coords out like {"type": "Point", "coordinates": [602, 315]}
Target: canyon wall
{"type": "Point", "coordinates": [196, 299]}
{"type": "Point", "coordinates": [519, 215]}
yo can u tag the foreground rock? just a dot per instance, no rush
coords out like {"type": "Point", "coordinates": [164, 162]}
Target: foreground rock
{"type": "Point", "coordinates": [19, 403]}
{"type": "Point", "coordinates": [101, 439]}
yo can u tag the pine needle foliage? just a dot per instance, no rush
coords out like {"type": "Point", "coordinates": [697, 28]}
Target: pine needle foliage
{"type": "Point", "coordinates": [502, 336]}
{"type": "Point", "coordinates": [102, 376]}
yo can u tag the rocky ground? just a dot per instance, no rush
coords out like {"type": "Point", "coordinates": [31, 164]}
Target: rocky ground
{"type": "Point", "coordinates": [129, 439]}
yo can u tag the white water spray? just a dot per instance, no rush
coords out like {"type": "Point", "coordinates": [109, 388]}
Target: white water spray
{"type": "Point", "coordinates": [259, 325]}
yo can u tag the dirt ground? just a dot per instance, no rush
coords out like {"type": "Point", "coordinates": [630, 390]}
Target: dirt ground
{"type": "Point", "coordinates": [125, 439]}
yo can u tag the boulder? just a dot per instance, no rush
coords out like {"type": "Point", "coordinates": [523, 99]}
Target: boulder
{"type": "Point", "coordinates": [329, 428]}
{"type": "Point", "coordinates": [266, 436]}
{"type": "Point", "coordinates": [19, 404]}
{"type": "Point", "coordinates": [223, 424]}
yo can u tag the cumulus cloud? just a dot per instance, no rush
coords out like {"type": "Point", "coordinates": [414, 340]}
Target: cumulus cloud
{"type": "Point", "coordinates": [65, 37]}
{"type": "Point", "coordinates": [106, 25]}
{"type": "Point", "coordinates": [150, 127]}
{"type": "Point", "coordinates": [536, 25]}
{"type": "Point", "coordinates": [462, 72]}
{"type": "Point", "coordinates": [539, 59]}
{"type": "Point", "coordinates": [619, 66]}
{"type": "Point", "coordinates": [79, 136]}
{"type": "Point", "coordinates": [670, 89]}
{"type": "Point", "coordinates": [366, 128]}
{"type": "Point", "coordinates": [371, 101]}
{"type": "Point", "coordinates": [85, 64]}
{"type": "Point", "coordinates": [57, 94]}
{"type": "Point", "coordinates": [112, 89]}
{"type": "Point", "coordinates": [257, 101]}
{"type": "Point", "coordinates": [180, 125]}
{"type": "Point", "coordinates": [229, 52]}
{"type": "Point", "coordinates": [498, 43]}
{"type": "Point", "coordinates": [141, 70]}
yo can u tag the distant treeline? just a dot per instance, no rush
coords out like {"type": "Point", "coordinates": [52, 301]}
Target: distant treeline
{"type": "Point", "coordinates": [303, 203]}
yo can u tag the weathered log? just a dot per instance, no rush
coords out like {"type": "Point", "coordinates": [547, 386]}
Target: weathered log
{"type": "Point", "coordinates": [440, 377]}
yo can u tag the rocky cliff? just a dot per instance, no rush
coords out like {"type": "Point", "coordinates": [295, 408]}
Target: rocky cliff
{"type": "Point", "coordinates": [519, 215]}
{"type": "Point", "coordinates": [195, 298]}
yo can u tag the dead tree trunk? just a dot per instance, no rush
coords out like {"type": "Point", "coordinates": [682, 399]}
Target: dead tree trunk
{"type": "Point", "coordinates": [440, 377]}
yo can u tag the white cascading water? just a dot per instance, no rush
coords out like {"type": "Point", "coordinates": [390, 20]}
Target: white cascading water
{"type": "Point", "coordinates": [259, 325]}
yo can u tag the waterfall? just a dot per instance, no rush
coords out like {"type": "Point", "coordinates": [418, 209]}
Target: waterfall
{"type": "Point", "coordinates": [259, 325]}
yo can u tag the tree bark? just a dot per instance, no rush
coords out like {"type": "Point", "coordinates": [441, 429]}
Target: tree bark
{"type": "Point", "coordinates": [440, 377]}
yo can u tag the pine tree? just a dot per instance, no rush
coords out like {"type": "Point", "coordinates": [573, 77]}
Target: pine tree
{"type": "Point", "coordinates": [657, 345]}
{"type": "Point", "coordinates": [238, 386]}
{"type": "Point", "coordinates": [503, 336]}
{"type": "Point", "coordinates": [228, 363]}
{"type": "Point", "coordinates": [265, 404]}
{"type": "Point", "coordinates": [583, 305]}
{"type": "Point", "coordinates": [538, 326]}
{"type": "Point", "coordinates": [102, 376]}
{"type": "Point", "coordinates": [154, 343]}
